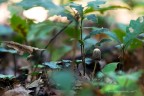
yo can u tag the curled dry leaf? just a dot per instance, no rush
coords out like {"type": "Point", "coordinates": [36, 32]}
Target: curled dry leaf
{"type": "Point", "coordinates": [20, 47]}
{"type": "Point", "coordinates": [19, 91]}
{"type": "Point", "coordinates": [35, 83]}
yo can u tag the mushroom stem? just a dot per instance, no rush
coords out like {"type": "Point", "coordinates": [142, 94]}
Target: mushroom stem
{"type": "Point", "coordinates": [93, 73]}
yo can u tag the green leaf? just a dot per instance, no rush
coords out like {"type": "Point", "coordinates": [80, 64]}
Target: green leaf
{"type": "Point", "coordinates": [6, 76]}
{"type": "Point", "coordinates": [2, 1]}
{"type": "Point", "coordinates": [15, 10]}
{"type": "Point", "coordinates": [87, 61]}
{"type": "Point", "coordinates": [66, 63]}
{"type": "Point", "coordinates": [96, 31]}
{"type": "Point", "coordinates": [35, 73]}
{"type": "Point", "coordinates": [26, 4]}
{"type": "Point", "coordinates": [109, 68]}
{"type": "Point", "coordinates": [41, 31]}
{"type": "Point", "coordinates": [136, 43]}
{"type": "Point", "coordinates": [135, 28]}
{"type": "Point", "coordinates": [103, 41]}
{"type": "Point", "coordinates": [19, 25]}
{"type": "Point", "coordinates": [52, 65]}
{"type": "Point", "coordinates": [8, 50]}
{"type": "Point", "coordinates": [67, 14]}
{"type": "Point", "coordinates": [70, 31]}
{"type": "Point", "coordinates": [63, 79]}
{"type": "Point", "coordinates": [81, 42]}
{"type": "Point", "coordinates": [92, 17]}
{"type": "Point", "coordinates": [128, 79]}
{"type": "Point", "coordinates": [57, 53]}
{"type": "Point", "coordinates": [47, 4]}
{"type": "Point", "coordinates": [77, 7]}
{"type": "Point", "coordinates": [96, 3]}
{"type": "Point", "coordinates": [120, 34]}
{"type": "Point", "coordinates": [104, 31]}
{"type": "Point", "coordinates": [104, 9]}
{"type": "Point", "coordinates": [38, 66]}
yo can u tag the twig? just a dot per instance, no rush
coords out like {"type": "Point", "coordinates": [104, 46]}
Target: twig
{"type": "Point", "coordinates": [82, 48]}
{"type": "Point", "coordinates": [53, 38]}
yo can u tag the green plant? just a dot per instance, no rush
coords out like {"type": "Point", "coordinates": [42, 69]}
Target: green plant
{"type": "Point", "coordinates": [107, 79]}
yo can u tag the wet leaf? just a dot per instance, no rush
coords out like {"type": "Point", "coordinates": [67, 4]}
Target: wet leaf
{"type": "Point", "coordinates": [8, 50]}
{"type": "Point", "coordinates": [6, 76]}
{"type": "Point", "coordinates": [52, 65]}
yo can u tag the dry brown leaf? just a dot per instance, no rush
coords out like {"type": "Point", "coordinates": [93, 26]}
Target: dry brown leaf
{"type": "Point", "coordinates": [35, 83]}
{"type": "Point", "coordinates": [20, 47]}
{"type": "Point", "coordinates": [19, 91]}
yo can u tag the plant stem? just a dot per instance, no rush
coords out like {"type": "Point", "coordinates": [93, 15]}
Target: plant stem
{"type": "Point", "coordinates": [123, 56]}
{"type": "Point", "coordinates": [82, 47]}
{"type": "Point", "coordinates": [74, 47]}
{"type": "Point", "coordinates": [53, 38]}
{"type": "Point", "coordinates": [15, 64]}
{"type": "Point", "coordinates": [93, 73]}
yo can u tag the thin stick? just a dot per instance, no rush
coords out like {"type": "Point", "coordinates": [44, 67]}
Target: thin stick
{"type": "Point", "coordinates": [15, 64]}
{"type": "Point", "coordinates": [53, 38]}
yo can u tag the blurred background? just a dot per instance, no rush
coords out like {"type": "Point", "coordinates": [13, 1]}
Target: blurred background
{"type": "Point", "coordinates": [32, 23]}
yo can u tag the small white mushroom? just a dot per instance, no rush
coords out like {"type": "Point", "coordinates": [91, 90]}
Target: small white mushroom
{"type": "Point", "coordinates": [96, 54]}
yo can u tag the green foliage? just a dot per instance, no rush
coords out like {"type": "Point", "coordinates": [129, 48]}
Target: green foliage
{"type": "Point", "coordinates": [109, 68]}
{"type": "Point", "coordinates": [86, 92]}
{"type": "Point", "coordinates": [26, 4]}
{"type": "Point", "coordinates": [63, 79]}
{"type": "Point", "coordinates": [57, 53]}
{"type": "Point", "coordinates": [19, 25]}
{"type": "Point", "coordinates": [52, 65]}
{"type": "Point", "coordinates": [104, 31]}
{"type": "Point", "coordinates": [102, 10]}
{"type": "Point", "coordinates": [15, 10]}
{"type": "Point", "coordinates": [107, 79]}
{"type": "Point", "coordinates": [8, 50]}
{"type": "Point", "coordinates": [6, 76]}
{"type": "Point", "coordinates": [95, 4]}
{"type": "Point", "coordinates": [134, 29]}
{"type": "Point", "coordinates": [92, 17]}
{"type": "Point", "coordinates": [47, 4]}
{"type": "Point", "coordinates": [77, 7]}
{"type": "Point", "coordinates": [71, 32]}
{"type": "Point", "coordinates": [41, 31]}
{"type": "Point", "coordinates": [2, 1]}
{"type": "Point", "coordinates": [102, 41]}
{"type": "Point", "coordinates": [126, 84]}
